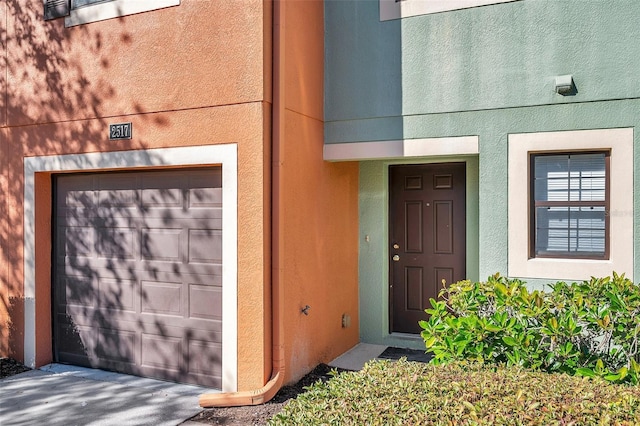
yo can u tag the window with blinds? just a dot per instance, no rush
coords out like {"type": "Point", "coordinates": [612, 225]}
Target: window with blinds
{"type": "Point", "coordinates": [79, 3]}
{"type": "Point", "coordinates": [78, 12]}
{"type": "Point", "coordinates": [570, 205]}
{"type": "Point", "coordinates": [56, 9]}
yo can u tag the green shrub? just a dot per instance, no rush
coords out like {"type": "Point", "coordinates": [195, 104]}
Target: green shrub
{"type": "Point", "coordinates": [412, 393]}
{"type": "Point", "coordinates": [589, 328]}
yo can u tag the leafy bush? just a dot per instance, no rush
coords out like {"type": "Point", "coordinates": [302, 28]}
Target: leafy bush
{"type": "Point", "coordinates": [412, 393]}
{"type": "Point", "coordinates": [589, 328]}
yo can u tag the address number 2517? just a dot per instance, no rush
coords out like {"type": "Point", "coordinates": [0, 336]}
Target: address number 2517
{"type": "Point", "coordinates": [120, 131]}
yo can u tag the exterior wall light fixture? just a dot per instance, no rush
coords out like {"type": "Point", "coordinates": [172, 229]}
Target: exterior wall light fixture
{"type": "Point", "coordinates": [565, 86]}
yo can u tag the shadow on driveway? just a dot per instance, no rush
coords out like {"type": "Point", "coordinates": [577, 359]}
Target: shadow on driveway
{"type": "Point", "coordinates": [64, 395]}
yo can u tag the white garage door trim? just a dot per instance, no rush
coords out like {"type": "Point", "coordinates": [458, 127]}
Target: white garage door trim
{"type": "Point", "coordinates": [226, 155]}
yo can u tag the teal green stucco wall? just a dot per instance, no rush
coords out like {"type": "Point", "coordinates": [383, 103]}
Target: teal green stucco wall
{"type": "Point", "coordinates": [483, 58]}
{"type": "Point", "coordinates": [485, 71]}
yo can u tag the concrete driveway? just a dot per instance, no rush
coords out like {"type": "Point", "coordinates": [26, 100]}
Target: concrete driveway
{"type": "Point", "coordinates": [64, 395]}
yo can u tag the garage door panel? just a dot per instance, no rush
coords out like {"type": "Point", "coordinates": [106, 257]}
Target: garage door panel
{"type": "Point", "coordinates": [117, 345]}
{"type": "Point", "coordinates": [79, 291]}
{"type": "Point", "coordinates": [76, 191]}
{"type": "Point", "coordinates": [163, 190]}
{"type": "Point", "coordinates": [162, 351]}
{"type": "Point", "coordinates": [138, 260]}
{"type": "Point", "coordinates": [196, 277]}
{"type": "Point", "coordinates": [165, 198]}
{"type": "Point", "coordinates": [98, 268]}
{"type": "Point", "coordinates": [168, 180]}
{"type": "Point", "coordinates": [80, 199]}
{"type": "Point", "coordinates": [119, 199]}
{"type": "Point", "coordinates": [77, 217]}
{"type": "Point", "coordinates": [162, 298]}
{"type": "Point", "coordinates": [169, 271]}
{"type": "Point", "coordinates": [117, 190]}
{"type": "Point", "coordinates": [117, 295]}
{"type": "Point", "coordinates": [204, 198]}
{"type": "Point", "coordinates": [209, 178]}
{"type": "Point", "coordinates": [120, 216]}
{"type": "Point", "coordinates": [76, 339]}
{"type": "Point", "coordinates": [117, 242]}
{"type": "Point", "coordinates": [207, 380]}
{"type": "Point", "coordinates": [205, 246]}
{"type": "Point", "coordinates": [205, 302]}
{"type": "Point", "coordinates": [172, 272]}
{"type": "Point", "coordinates": [181, 218]}
{"type": "Point", "coordinates": [94, 317]}
{"type": "Point", "coordinates": [71, 222]}
{"type": "Point", "coordinates": [78, 241]}
{"type": "Point", "coordinates": [161, 244]}
{"type": "Point", "coordinates": [74, 182]}
{"type": "Point", "coordinates": [205, 357]}
{"type": "Point", "coordinates": [125, 269]}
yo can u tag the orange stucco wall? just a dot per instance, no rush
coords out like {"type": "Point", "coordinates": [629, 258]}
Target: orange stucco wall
{"type": "Point", "coordinates": [320, 208]}
{"type": "Point", "coordinates": [195, 74]}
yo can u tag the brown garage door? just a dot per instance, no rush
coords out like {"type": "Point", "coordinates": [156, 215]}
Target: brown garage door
{"type": "Point", "coordinates": [138, 273]}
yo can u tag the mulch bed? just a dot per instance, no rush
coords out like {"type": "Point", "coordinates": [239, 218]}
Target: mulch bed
{"type": "Point", "coordinates": [260, 414]}
{"type": "Point", "coordinates": [9, 367]}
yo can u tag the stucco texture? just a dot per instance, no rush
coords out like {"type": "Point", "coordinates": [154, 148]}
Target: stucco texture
{"type": "Point", "coordinates": [484, 71]}
{"type": "Point", "coordinates": [484, 58]}
{"type": "Point", "coordinates": [188, 56]}
{"type": "Point", "coordinates": [200, 83]}
{"type": "Point", "coordinates": [319, 209]}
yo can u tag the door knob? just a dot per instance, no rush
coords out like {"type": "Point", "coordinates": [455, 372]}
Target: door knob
{"type": "Point", "coordinates": [395, 258]}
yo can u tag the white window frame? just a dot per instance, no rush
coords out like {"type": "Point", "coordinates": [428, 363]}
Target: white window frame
{"type": "Point", "coordinates": [113, 9]}
{"type": "Point", "coordinates": [620, 144]}
{"type": "Point", "coordinates": [396, 9]}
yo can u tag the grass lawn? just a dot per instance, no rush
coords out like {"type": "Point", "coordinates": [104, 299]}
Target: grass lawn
{"type": "Point", "coordinates": [412, 393]}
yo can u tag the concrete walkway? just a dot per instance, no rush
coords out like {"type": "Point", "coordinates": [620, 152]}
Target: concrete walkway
{"type": "Point", "coordinates": [62, 395]}
{"type": "Point", "coordinates": [65, 396]}
{"type": "Point", "coordinates": [356, 357]}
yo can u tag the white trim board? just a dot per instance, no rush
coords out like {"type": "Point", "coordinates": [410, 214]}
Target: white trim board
{"type": "Point", "coordinates": [226, 155]}
{"type": "Point", "coordinates": [113, 9]}
{"type": "Point", "coordinates": [426, 147]}
{"type": "Point", "coordinates": [396, 9]}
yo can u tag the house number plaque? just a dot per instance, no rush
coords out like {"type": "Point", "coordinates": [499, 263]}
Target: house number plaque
{"type": "Point", "coordinates": [120, 131]}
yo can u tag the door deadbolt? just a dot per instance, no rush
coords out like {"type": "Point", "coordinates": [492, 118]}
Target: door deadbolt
{"type": "Point", "coordinates": [395, 258]}
{"type": "Point", "coordinates": [396, 246]}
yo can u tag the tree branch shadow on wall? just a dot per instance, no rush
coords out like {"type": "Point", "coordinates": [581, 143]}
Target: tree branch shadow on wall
{"type": "Point", "coordinates": [55, 102]}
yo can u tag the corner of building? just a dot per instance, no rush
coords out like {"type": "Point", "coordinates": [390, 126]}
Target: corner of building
{"type": "Point", "coordinates": [320, 199]}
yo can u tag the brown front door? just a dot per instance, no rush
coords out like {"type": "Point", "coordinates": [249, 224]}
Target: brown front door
{"type": "Point", "coordinates": [427, 236]}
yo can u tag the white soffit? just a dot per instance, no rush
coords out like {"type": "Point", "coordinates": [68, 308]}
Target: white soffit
{"type": "Point", "coordinates": [428, 147]}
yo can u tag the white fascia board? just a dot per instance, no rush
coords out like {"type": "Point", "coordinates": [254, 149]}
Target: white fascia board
{"type": "Point", "coordinates": [426, 147]}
